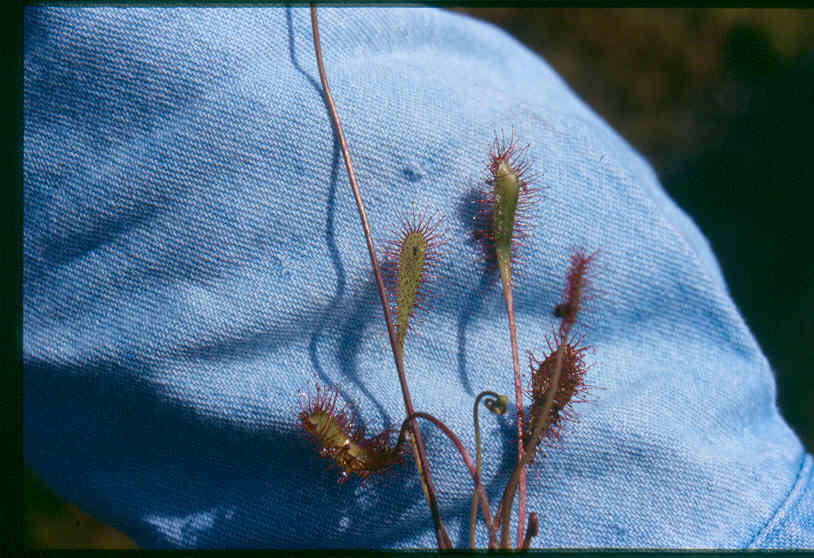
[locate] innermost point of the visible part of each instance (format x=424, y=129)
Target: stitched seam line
x=788, y=504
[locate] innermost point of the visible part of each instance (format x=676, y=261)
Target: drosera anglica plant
x=556, y=381
x=578, y=289
x=502, y=224
x=407, y=267
x=569, y=390
x=562, y=369
x=501, y=215
x=338, y=437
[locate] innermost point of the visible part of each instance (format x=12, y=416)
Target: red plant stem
x=487, y=516
x=418, y=444
x=506, y=278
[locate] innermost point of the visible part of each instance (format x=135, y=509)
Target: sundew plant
x=404, y=273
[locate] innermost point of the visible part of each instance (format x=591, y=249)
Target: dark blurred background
x=721, y=102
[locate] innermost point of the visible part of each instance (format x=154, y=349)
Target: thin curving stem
x=487, y=516
x=496, y=404
x=418, y=445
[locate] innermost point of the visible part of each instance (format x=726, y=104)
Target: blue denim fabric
x=193, y=260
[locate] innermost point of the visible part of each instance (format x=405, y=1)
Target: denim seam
x=800, y=484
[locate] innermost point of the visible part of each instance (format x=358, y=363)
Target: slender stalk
x=542, y=414
x=506, y=277
x=418, y=444
x=487, y=516
x=498, y=406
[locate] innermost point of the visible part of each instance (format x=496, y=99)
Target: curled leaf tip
x=497, y=405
